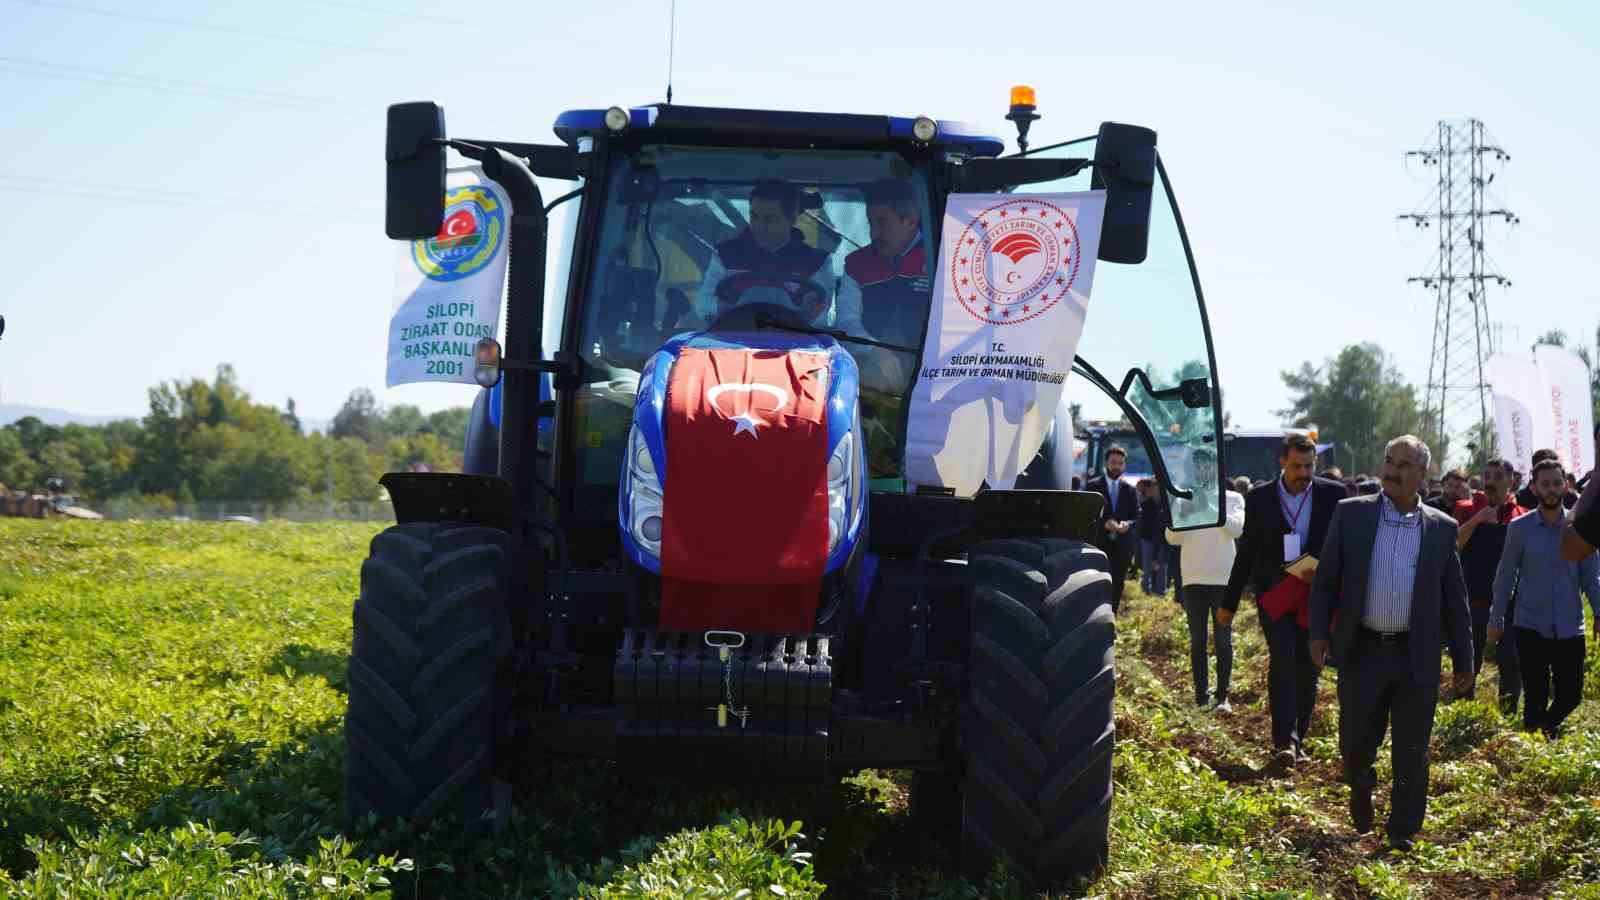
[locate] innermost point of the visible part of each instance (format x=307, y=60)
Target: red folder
x=1289, y=595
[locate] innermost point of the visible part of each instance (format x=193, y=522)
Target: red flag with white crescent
x=744, y=535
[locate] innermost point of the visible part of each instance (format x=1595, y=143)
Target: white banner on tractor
x=1542, y=404
x=1010, y=297
x=448, y=288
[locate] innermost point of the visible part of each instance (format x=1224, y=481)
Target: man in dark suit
x=1389, y=581
x=1283, y=519
x=1117, y=518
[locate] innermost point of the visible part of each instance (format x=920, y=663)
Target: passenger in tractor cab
x=768, y=262
x=885, y=290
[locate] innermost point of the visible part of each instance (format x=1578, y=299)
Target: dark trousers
x=1118, y=553
x=1175, y=568
x=1200, y=602
x=1377, y=684
x=1546, y=661
x=1505, y=656
x=1291, y=680
x=1153, y=560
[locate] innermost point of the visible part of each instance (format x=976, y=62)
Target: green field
x=171, y=701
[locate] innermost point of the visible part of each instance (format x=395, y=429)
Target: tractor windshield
x=688, y=233
x=1147, y=344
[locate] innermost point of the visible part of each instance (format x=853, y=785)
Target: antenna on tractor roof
x=672, y=35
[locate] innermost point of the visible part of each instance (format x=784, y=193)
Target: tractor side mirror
x=414, y=159
x=1125, y=165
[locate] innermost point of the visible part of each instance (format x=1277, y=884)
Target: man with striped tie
x=1389, y=581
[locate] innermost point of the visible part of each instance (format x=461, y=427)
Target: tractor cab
x=665, y=237
x=687, y=536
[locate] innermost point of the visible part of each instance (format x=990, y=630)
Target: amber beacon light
x=1022, y=113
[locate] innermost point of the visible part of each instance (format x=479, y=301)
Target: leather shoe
x=1402, y=842
x=1361, y=810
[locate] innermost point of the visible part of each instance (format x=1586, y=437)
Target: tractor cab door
x=1147, y=345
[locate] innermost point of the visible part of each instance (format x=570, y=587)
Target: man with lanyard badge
x=1284, y=519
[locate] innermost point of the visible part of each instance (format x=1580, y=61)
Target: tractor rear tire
x=1038, y=732
x=431, y=629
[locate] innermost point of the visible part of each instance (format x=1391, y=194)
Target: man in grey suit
x=1388, y=582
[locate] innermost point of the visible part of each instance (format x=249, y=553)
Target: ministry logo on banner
x=1011, y=294
x=448, y=287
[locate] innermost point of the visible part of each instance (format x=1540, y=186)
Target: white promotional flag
x=1010, y=296
x=1571, y=409
x=447, y=289
x=1521, y=415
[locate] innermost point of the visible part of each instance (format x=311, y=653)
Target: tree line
x=210, y=441
x=1359, y=400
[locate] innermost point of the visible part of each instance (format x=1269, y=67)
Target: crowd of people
x=1379, y=578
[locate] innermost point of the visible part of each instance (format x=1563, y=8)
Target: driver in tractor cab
x=885, y=290
x=768, y=262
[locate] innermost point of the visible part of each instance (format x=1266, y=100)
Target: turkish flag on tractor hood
x=744, y=536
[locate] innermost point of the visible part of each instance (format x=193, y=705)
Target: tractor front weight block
x=760, y=709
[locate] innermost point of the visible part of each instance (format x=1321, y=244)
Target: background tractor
x=575, y=593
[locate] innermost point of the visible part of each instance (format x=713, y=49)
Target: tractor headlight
x=839, y=484
x=616, y=119
x=924, y=129
x=644, y=495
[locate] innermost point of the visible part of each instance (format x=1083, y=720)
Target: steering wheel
x=805, y=294
x=750, y=316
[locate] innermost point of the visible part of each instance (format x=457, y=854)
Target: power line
x=395, y=14
x=100, y=190
x=271, y=95
x=181, y=87
x=206, y=26
x=250, y=32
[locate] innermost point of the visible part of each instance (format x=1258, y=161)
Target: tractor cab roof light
x=924, y=129
x=616, y=120
x=1022, y=113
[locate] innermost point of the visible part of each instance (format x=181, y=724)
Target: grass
x=171, y=700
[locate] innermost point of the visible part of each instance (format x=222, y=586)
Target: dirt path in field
x=1241, y=754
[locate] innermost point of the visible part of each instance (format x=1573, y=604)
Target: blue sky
x=234, y=214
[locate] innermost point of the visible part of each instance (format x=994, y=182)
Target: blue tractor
x=684, y=540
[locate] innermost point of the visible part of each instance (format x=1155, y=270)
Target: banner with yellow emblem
x=448, y=287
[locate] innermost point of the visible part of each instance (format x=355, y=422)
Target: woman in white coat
x=1206, y=562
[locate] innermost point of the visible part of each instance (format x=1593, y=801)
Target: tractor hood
x=745, y=482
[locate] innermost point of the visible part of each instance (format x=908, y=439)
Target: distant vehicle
x=66, y=506
x=248, y=520
x=1097, y=438
x=1252, y=453
x=31, y=505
